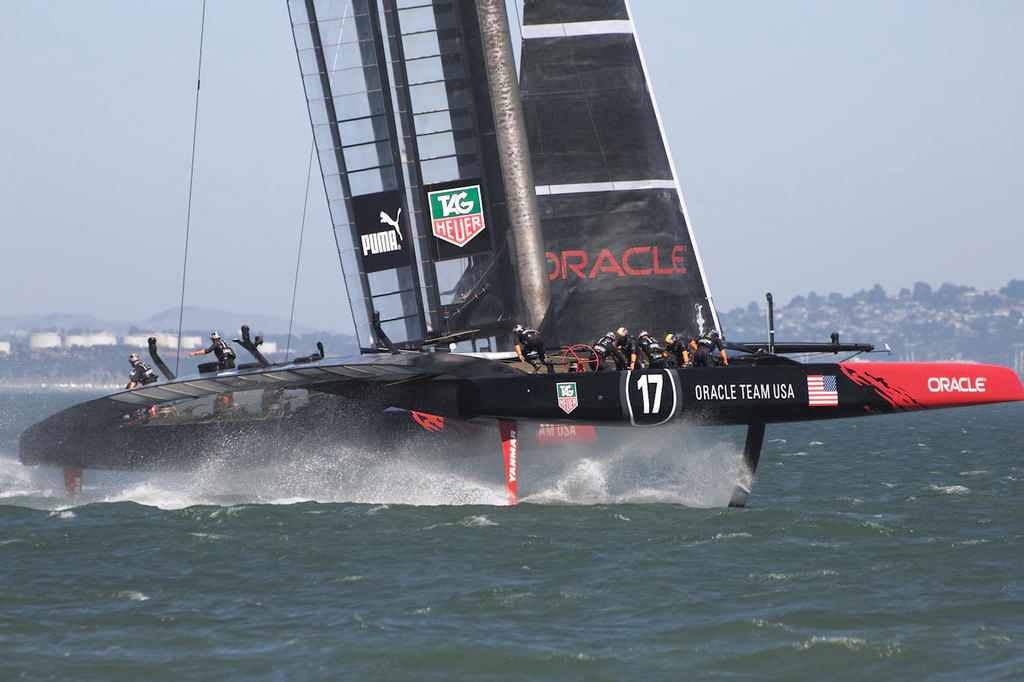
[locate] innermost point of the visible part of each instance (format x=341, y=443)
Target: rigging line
x=298, y=258
x=191, y=179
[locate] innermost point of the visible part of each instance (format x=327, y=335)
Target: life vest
x=223, y=350
x=650, y=347
x=148, y=375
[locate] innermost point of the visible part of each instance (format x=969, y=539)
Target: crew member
x=225, y=355
x=627, y=346
x=530, y=342
x=676, y=352
x=706, y=345
x=652, y=350
x=605, y=348
x=141, y=372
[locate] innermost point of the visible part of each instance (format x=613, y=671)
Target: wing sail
x=619, y=245
x=402, y=120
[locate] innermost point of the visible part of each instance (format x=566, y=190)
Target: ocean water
x=879, y=548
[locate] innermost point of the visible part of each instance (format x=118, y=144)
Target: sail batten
x=579, y=28
x=613, y=186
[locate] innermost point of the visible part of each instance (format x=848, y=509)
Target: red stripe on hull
x=928, y=385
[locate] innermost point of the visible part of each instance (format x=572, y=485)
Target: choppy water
x=884, y=548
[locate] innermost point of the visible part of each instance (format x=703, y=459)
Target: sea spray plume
x=695, y=467
x=328, y=474
x=691, y=467
x=37, y=488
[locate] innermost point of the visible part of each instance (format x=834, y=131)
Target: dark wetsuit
x=225, y=356
x=142, y=374
x=627, y=346
x=652, y=349
x=677, y=354
x=605, y=347
x=529, y=341
x=706, y=347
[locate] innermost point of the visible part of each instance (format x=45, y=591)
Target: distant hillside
x=195, y=320
x=923, y=324
x=108, y=365
x=951, y=323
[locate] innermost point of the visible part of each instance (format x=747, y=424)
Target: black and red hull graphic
x=745, y=394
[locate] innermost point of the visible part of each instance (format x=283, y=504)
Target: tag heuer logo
x=456, y=215
x=567, y=396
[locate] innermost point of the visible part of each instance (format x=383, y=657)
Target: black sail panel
x=619, y=246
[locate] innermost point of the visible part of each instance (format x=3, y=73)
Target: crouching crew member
x=652, y=350
x=141, y=372
x=706, y=345
x=627, y=347
x=605, y=348
x=677, y=353
x=530, y=342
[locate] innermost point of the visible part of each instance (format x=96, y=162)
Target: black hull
x=746, y=394
x=255, y=416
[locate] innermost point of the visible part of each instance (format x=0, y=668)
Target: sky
x=820, y=146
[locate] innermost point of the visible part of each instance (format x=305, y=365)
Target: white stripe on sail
x=615, y=186
x=579, y=28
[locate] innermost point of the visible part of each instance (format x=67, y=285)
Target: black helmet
x=133, y=358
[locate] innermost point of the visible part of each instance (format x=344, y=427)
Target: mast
x=514, y=153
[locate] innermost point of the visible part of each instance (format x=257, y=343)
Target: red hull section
x=922, y=386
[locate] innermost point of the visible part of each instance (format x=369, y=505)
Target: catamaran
x=467, y=197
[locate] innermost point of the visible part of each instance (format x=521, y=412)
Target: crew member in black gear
x=706, y=345
x=605, y=348
x=225, y=355
x=652, y=350
x=528, y=342
x=627, y=346
x=141, y=372
x=677, y=353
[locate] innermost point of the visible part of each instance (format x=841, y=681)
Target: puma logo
x=386, y=241
x=386, y=220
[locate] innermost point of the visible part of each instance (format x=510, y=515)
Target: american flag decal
x=821, y=390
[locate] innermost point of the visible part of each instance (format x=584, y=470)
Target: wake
x=692, y=467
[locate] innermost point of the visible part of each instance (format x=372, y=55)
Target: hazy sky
x=821, y=146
